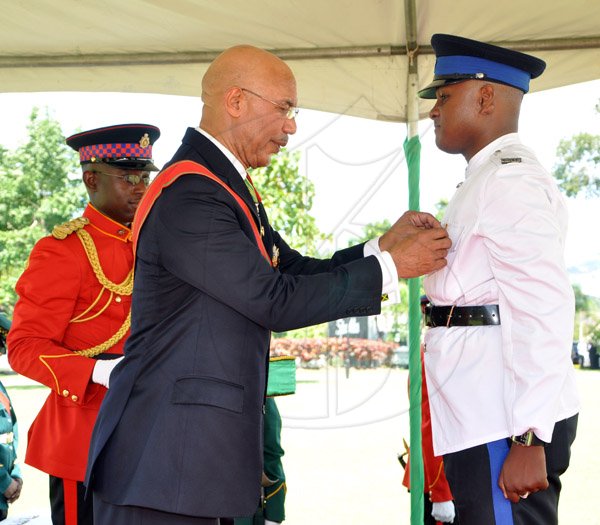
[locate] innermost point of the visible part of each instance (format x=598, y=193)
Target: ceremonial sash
x=167, y=177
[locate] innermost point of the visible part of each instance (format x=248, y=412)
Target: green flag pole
x=412, y=151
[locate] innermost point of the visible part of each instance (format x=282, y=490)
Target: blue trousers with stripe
x=473, y=477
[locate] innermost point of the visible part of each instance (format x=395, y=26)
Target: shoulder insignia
x=510, y=160
x=62, y=231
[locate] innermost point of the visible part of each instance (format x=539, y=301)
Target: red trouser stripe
x=70, y=497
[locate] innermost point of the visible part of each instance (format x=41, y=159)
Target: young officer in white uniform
x=502, y=389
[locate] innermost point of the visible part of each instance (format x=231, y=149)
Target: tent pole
x=412, y=148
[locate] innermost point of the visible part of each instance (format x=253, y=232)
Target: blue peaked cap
x=459, y=59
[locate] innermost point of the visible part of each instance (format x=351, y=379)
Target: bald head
x=246, y=93
x=241, y=66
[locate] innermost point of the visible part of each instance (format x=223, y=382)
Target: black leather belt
x=448, y=316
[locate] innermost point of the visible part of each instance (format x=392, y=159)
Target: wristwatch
x=528, y=439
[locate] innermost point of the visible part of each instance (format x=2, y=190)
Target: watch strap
x=528, y=439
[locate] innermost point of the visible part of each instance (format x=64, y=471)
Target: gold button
x=65, y=393
x=74, y=398
x=118, y=299
x=121, y=232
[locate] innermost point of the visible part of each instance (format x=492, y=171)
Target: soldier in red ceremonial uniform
x=438, y=504
x=73, y=314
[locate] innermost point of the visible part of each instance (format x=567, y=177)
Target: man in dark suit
x=179, y=436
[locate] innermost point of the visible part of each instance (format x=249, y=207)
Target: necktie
x=256, y=198
x=253, y=193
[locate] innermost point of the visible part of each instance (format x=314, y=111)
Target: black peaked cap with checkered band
x=126, y=146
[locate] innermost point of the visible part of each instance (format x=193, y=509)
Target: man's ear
x=486, y=99
x=234, y=101
x=90, y=179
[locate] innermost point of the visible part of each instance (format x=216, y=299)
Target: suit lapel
x=212, y=157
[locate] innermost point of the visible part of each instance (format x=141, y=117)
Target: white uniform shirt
x=507, y=223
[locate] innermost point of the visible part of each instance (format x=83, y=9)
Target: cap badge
x=145, y=141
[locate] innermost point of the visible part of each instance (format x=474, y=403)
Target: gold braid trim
x=103, y=347
x=81, y=319
x=124, y=288
x=62, y=231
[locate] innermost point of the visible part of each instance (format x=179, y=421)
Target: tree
x=578, y=167
x=587, y=316
x=38, y=192
x=440, y=207
x=289, y=198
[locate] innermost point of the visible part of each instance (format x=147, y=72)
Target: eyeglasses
x=290, y=111
x=131, y=178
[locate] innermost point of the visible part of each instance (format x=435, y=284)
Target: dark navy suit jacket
x=180, y=429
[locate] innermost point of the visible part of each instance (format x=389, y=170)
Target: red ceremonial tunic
x=435, y=482
x=63, y=308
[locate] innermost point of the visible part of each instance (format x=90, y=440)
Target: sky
x=357, y=165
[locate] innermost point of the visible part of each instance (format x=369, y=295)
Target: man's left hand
x=13, y=491
x=523, y=472
x=406, y=225
x=443, y=511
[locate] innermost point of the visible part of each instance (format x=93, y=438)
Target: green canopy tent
x=366, y=58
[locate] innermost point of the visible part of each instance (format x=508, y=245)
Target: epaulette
x=62, y=231
x=512, y=154
x=510, y=160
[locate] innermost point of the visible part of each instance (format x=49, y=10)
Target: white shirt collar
x=230, y=156
x=484, y=153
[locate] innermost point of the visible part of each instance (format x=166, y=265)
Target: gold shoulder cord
x=124, y=288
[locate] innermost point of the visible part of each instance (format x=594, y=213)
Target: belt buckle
x=429, y=321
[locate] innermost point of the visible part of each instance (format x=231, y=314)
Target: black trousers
x=473, y=477
x=68, y=503
x=108, y=514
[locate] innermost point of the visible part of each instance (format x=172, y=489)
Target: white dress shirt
x=507, y=223
x=388, y=268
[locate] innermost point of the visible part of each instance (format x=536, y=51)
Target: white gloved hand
x=443, y=511
x=103, y=369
